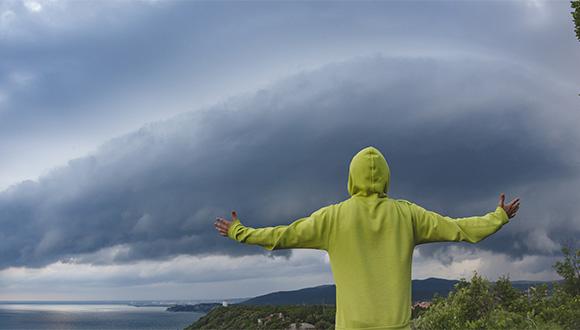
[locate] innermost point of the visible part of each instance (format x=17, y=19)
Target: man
x=370, y=240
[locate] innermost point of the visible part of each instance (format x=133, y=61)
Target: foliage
x=417, y=311
x=480, y=304
x=569, y=269
x=246, y=317
x=575, y=4
x=474, y=304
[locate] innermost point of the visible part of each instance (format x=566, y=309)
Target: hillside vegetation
x=247, y=316
x=474, y=304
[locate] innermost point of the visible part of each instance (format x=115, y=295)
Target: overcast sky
x=126, y=127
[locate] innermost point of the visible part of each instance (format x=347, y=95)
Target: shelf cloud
x=452, y=140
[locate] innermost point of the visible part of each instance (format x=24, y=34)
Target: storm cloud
x=455, y=134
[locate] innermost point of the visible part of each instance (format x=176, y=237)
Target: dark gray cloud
x=74, y=74
x=455, y=134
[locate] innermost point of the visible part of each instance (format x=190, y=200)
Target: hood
x=369, y=173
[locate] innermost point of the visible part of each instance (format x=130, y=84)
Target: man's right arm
x=429, y=226
x=311, y=232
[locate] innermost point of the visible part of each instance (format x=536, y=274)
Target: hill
x=266, y=317
x=326, y=294
x=281, y=309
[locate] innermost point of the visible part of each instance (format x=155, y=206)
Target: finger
x=501, y=199
x=234, y=215
x=220, y=223
x=222, y=226
x=514, y=209
x=221, y=220
x=515, y=201
x=222, y=230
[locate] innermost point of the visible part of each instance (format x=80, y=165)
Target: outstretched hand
x=512, y=208
x=222, y=225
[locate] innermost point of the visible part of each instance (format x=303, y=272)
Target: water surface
x=91, y=316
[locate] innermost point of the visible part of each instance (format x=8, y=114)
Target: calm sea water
x=91, y=316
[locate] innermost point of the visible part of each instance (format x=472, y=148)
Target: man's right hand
x=222, y=225
x=512, y=208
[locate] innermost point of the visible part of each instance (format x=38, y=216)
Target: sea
x=92, y=315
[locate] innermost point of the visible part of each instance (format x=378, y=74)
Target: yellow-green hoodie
x=370, y=239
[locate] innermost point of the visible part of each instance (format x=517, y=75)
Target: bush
x=479, y=304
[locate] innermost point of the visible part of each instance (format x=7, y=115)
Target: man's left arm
x=310, y=232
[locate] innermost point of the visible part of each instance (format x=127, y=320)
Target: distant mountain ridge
x=326, y=294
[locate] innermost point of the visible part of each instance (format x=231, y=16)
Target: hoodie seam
x=330, y=217
x=372, y=173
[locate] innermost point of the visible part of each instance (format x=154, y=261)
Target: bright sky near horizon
x=126, y=127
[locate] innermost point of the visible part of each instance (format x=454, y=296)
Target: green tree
x=569, y=269
x=575, y=4
x=478, y=304
x=506, y=296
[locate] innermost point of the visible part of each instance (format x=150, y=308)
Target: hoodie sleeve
x=429, y=226
x=310, y=232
